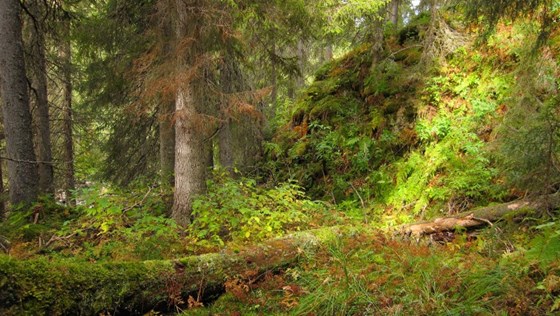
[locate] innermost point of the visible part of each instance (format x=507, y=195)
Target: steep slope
x=406, y=135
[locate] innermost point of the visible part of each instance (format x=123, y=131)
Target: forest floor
x=354, y=268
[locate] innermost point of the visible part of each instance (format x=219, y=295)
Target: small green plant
x=238, y=209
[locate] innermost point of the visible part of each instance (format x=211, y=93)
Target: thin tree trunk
x=166, y=128
x=395, y=13
x=328, y=52
x=378, y=37
x=225, y=138
x=69, y=184
x=39, y=99
x=22, y=169
x=300, y=81
x=167, y=141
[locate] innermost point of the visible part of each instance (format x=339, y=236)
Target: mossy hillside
x=399, y=134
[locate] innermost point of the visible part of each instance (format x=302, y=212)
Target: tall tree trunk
x=300, y=81
x=2, y=190
x=2, y=204
x=378, y=36
x=65, y=54
x=395, y=13
x=22, y=169
x=193, y=150
x=39, y=98
x=166, y=110
x=225, y=138
x=240, y=136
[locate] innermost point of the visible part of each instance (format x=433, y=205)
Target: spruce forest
x=280, y=157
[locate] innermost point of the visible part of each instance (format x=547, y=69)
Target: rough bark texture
x=37, y=69
x=2, y=204
x=39, y=287
x=22, y=169
x=69, y=182
x=193, y=147
x=192, y=151
x=482, y=216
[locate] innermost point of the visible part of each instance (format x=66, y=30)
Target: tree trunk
x=65, y=53
x=328, y=52
x=395, y=13
x=22, y=168
x=378, y=37
x=300, y=81
x=225, y=138
x=482, y=216
x=193, y=147
x=166, y=128
x=136, y=288
x=240, y=136
x=2, y=204
x=167, y=141
x=39, y=98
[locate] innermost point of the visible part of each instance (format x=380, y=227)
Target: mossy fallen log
x=69, y=287
x=482, y=216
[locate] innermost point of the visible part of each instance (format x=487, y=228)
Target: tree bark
x=225, y=138
x=2, y=203
x=395, y=13
x=378, y=36
x=328, y=52
x=193, y=147
x=166, y=128
x=65, y=53
x=167, y=141
x=22, y=168
x=39, y=97
x=482, y=216
x=300, y=81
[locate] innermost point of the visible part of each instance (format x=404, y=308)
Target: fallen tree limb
x=71, y=287
x=482, y=216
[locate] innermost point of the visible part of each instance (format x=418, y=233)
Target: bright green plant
x=238, y=209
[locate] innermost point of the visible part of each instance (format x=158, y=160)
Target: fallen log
x=70, y=287
x=482, y=216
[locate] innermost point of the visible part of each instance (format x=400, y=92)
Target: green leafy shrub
x=238, y=209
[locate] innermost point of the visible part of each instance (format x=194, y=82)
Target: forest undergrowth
x=364, y=148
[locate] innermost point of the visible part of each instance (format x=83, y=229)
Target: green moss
x=43, y=287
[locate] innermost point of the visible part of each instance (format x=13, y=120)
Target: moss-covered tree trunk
x=67, y=287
